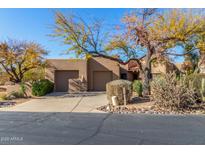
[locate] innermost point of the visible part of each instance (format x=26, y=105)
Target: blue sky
x=35, y=25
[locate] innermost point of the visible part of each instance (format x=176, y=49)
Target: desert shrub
x=196, y=80
x=170, y=93
x=115, y=88
x=3, y=96
x=137, y=87
x=15, y=94
x=20, y=93
x=42, y=87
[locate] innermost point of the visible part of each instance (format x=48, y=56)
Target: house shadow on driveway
x=68, y=128
x=69, y=95
x=79, y=94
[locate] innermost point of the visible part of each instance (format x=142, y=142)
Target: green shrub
x=42, y=87
x=115, y=88
x=137, y=87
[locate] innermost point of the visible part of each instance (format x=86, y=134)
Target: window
x=123, y=76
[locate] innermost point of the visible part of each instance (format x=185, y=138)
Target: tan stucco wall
x=102, y=64
x=66, y=64
x=158, y=68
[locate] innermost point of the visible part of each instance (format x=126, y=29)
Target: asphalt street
x=99, y=128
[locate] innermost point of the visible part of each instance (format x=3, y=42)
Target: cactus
x=203, y=89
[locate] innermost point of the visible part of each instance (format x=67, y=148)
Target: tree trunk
x=15, y=80
x=146, y=83
x=147, y=75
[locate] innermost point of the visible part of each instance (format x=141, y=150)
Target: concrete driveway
x=63, y=102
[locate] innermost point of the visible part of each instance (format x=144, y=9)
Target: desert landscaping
x=102, y=76
x=138, y=74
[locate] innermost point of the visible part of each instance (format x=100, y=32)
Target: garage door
x=61, y=79
x=100, y=78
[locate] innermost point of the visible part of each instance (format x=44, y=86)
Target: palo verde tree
x=147, y=34
x=82, y=38
x=17, y=58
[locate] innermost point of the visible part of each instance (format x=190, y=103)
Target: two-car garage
x=100, y=78
x=87, y=75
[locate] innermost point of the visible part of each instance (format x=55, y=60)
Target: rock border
x=148, y=110
x=7, y=104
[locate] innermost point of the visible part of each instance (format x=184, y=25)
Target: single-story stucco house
x=74, y=75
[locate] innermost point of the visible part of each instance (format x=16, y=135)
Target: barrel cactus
x=115, y=88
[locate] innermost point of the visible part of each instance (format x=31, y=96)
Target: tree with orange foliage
x=17, y=58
